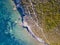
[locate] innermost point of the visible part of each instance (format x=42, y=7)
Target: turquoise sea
x=12, y=33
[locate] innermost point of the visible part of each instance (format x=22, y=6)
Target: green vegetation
x=50, y=13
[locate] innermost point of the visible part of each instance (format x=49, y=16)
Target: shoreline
x=30, y=31
x=24, y=23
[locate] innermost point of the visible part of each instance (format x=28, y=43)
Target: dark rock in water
x=19, y=8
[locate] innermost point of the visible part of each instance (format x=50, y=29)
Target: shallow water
x=12, y=33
